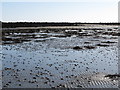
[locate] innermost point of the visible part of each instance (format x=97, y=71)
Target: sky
x=52, y=11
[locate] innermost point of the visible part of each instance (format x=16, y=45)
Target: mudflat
x=60, y=57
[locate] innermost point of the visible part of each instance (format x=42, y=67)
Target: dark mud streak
x=113, y=77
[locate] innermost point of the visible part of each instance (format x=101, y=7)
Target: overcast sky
x=69, y=11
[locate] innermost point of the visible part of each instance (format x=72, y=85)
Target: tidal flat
x=60, y=57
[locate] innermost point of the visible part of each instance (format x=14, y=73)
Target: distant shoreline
x=48, y=24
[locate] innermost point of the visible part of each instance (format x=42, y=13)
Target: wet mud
x=85, y=57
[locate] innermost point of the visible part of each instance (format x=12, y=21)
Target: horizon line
x=52, y=22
